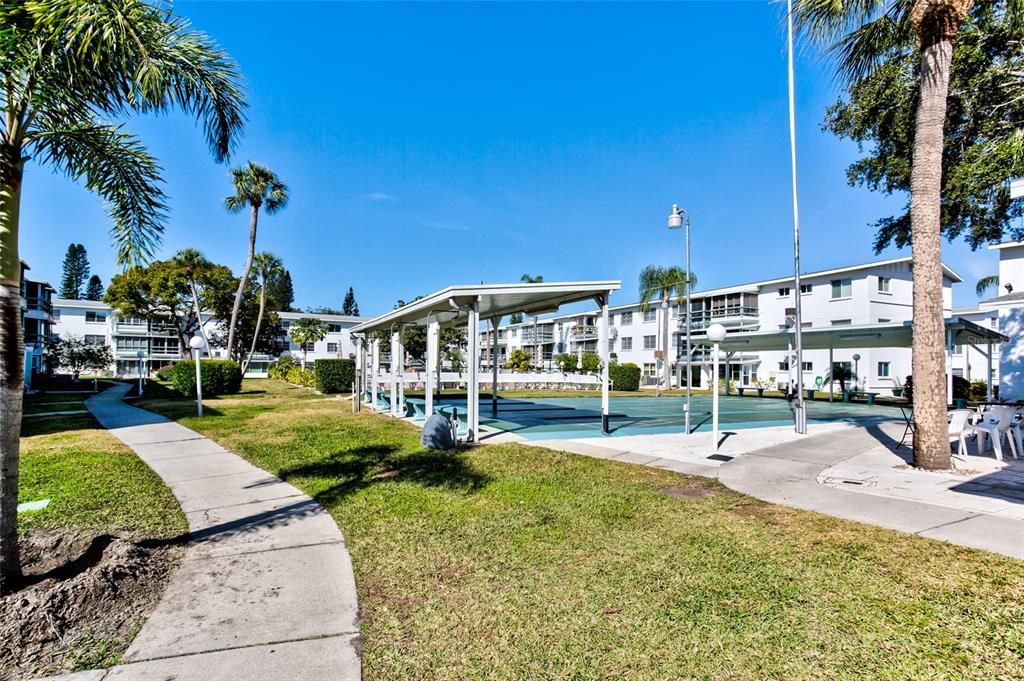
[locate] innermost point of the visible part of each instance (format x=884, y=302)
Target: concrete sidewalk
x=265, y=589
x=788, y=474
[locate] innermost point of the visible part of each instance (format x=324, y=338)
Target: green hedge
x=334, y=375
x=220, y=377
x=624, y=376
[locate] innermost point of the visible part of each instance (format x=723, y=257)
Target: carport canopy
x=959, y=331
x=468, y=305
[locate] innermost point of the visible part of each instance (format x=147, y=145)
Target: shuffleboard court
x=572, y=417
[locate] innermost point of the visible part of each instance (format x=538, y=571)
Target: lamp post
x=140, y=354
x=676, y=219
x=196, y=343
x=856, y=370
x=716, y=334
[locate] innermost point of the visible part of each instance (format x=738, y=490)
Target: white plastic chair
x=958, y=429
x=997, y=424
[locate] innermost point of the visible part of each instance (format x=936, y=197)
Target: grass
x=513, y=562
x=93, y=481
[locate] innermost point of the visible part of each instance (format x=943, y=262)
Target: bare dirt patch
x=82, y=600
x=678, y=492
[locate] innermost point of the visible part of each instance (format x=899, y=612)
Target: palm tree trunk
x=12, y=364
x=931, y=446
x=256, y=334
x=253, y=218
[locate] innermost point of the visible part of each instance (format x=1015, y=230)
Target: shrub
x=978, y=391
x=566, y=363
x=519, y=360
x=281, y=367
x=220, y=377
x=624, y=376
x=300, y=376
x=334, y=375
x=591, y=362
x=165, y=373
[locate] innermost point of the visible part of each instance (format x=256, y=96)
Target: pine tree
x=350, y=306
x=94, y=289
x=76, y=271
x=281, y=294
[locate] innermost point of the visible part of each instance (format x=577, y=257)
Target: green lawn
x=513, y=562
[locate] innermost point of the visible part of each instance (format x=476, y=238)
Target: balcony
x=583, y=332
x=531, y=338
x=39, y=304
x=729, y=316
x=136, y=329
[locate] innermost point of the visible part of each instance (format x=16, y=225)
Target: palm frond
x=986, y=283
x=113, y=164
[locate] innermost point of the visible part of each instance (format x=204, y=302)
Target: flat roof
x=890, y=335
x=322, y=316
x=494, y=300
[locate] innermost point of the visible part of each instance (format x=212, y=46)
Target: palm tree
x=307, y=330
x=268, y=268
x=986, y=283
x=68, y=68
x=862, y=35
x=661, y=283
x=193, y=262
x=255, y=186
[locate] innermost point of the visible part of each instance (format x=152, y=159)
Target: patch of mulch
x=81, y=602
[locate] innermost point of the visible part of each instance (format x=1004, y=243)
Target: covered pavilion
x=467, y=306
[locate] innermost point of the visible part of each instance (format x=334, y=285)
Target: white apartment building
x=870, y=293
x=37, y=318
x=1005, y=311
x=99, y=324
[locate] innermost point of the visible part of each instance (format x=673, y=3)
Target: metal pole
x=689, y=350
x=714, y=399
x=830, y=382
x=394, y=372
x=473, y=392
x=199, y=384
x=801, y=417
x=494, y=365
x=432, y=362
x=602, y=339
x=140, y=378
x=988, y=380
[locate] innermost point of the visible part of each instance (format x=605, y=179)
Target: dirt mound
x=81, y=602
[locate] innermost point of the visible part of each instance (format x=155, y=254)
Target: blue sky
x=432, y=144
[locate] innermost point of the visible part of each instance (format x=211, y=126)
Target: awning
x=494, y=300
x=888, y=335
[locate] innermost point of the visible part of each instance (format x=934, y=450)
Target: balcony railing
x=40, y=304
x=540, y=337
x=730, y=315
x=583, y=332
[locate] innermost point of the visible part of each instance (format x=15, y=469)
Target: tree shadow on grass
x=354, y=470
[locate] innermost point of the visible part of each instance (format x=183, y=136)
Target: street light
x=677, y=219
x=716, y=334
x=856, y=370
x=196, y=343
x=140, y=354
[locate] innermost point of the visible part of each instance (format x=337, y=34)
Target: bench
x=870, y=397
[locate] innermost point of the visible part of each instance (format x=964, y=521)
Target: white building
x=37, y=317
x=1006, y=311
x=99, y=324
x=869, y=293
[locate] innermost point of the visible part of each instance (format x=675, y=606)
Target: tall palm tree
x=538, y=351
x=986, y=283
x=268, y=269
x=256, y=186
x=862, y=35
x=67, y=69
x=660, y=283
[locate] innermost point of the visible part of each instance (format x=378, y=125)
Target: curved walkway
x=265, y=589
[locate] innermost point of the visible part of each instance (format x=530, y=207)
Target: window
x=842, y=288
x=627, y=343
x=784, y=365
x=129, y=343
x=884, y=320
x=784, y=291
x=95, y=317
x=95, y=340
x=627, y=318
x=805, y=288
x=285, y=325
x=165, y=346
x=958, y=349
x=56, y=315
x=650, y=342
x=334, y=328
x=841, y=322
x=332, y=347
x=808, y=366
x=884, y=284
x=651, y=315
x=309, y=347
x=883, y=369
x=649, y=369
x=611, y=345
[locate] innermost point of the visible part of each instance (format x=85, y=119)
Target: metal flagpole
x=801, y=413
